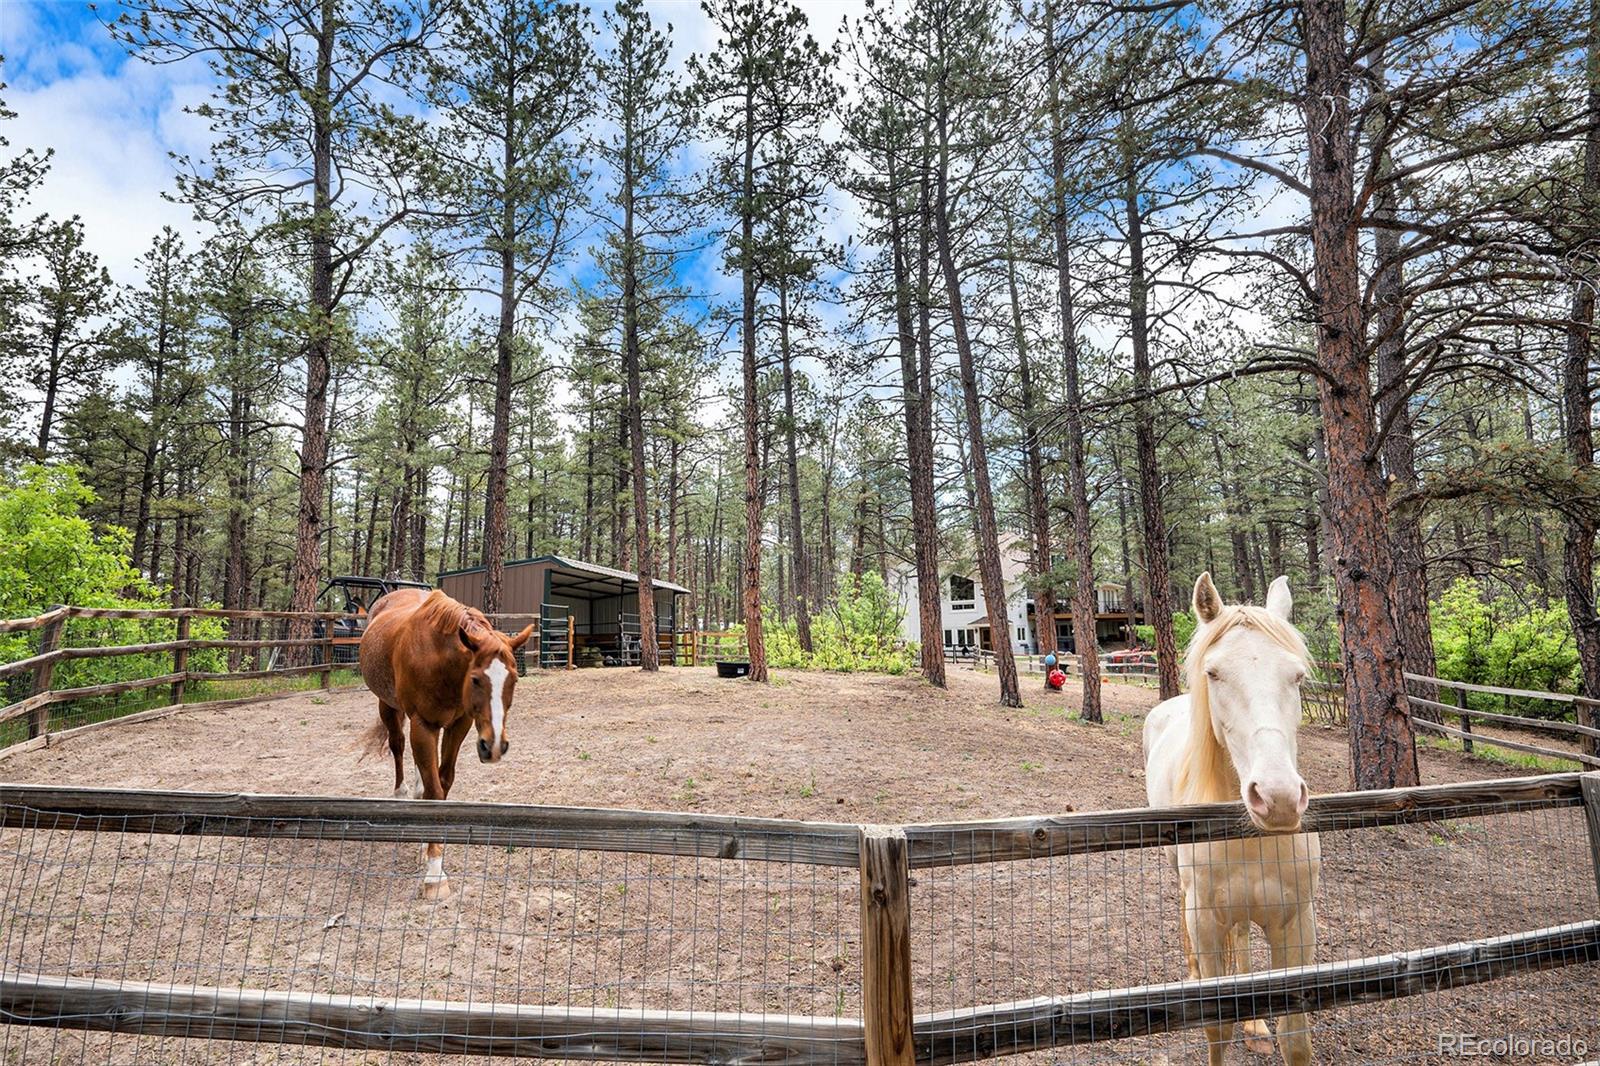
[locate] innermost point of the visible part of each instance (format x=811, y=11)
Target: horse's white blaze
x=497, y=697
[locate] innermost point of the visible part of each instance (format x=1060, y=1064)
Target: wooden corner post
x=886, y=947
x=49, y=642
x=1591, y=812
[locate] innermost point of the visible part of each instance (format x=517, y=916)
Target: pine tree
x=59, y=339
x=320, y=76
x=765, y=65
x=512, y=86
x=648, y=111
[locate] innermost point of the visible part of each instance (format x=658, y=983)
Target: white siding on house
x=956, y=619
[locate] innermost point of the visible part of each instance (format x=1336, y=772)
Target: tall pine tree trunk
x=1152, y=513
x=305, y=579
x=1411, y=611
x=649, y=643
x=989, y=568
x=1382, y=745
x=1044, y=593
x=1578, y=542
x=52, y=387
x=1084, y=635
x=495, y=519
x=801, y=573
x=754, y=493
x=919, y=448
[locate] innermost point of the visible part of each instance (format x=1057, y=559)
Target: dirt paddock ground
x=549, y=926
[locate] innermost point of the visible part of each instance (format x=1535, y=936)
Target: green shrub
x=1183, y=627
x=1505, y=643
x=858, y=631
x=50, y=554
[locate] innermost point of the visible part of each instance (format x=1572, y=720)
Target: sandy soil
x=837, y=747
x=543, y=926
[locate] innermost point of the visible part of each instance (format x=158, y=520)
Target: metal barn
x=588, y=613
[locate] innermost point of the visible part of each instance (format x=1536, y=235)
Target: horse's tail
x=375, y=741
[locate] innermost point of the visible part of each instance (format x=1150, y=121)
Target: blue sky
x=111, y=120
x=114, y=121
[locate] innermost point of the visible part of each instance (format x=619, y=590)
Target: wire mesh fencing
x=1403, y=926
x=299, y=924
x=1072, y=923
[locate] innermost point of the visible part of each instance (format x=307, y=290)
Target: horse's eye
x=1213, y=675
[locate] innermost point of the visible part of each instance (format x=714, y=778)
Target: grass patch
x=1488, y=752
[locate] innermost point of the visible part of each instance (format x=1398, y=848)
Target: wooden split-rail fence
x=316, y=655
x=887, y=1032
x=275, y=645
x=278, y=646
x=1323, y=699
x=275, y=652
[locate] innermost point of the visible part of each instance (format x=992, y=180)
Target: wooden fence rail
x=687, y=647
x=43, y=692
x=887, y=1034
x=1323, y=698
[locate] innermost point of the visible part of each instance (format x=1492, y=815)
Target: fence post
x=572, y=636
x=327, y=653
x=886, y=947
x=180, y=659
x=1466, y=720
x=1591, y=811
x=49, y=641
x=1583, y=710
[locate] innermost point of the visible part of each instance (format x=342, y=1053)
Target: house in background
x=964, y=617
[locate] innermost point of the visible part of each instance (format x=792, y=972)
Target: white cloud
x=111, y=135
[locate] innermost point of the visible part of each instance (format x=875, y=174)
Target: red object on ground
x=1055, y=679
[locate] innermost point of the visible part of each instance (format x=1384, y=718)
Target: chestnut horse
x=440, y=666
x=1232, y=737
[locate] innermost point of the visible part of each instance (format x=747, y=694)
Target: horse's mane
x=447, y=615
x=1207, y=775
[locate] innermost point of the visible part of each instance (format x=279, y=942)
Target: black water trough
x=728, y=668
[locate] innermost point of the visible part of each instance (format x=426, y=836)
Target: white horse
x=1232, y=736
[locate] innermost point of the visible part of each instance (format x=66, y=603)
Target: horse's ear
x=1279, y=600
x=1207, y=601
x=521, y=638
x=471, y=638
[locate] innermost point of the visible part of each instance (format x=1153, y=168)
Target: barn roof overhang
x=584, y=579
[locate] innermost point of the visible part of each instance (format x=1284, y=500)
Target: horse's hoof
x=1258, y=1038
x=437, y=891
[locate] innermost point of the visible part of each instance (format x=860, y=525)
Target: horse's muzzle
x=486, y=750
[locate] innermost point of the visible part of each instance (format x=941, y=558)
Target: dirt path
x=602, y=930
x=836, y=747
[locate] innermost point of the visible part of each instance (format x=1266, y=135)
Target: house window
x=1022, y=634
x=948, y=638
x=963, y=594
